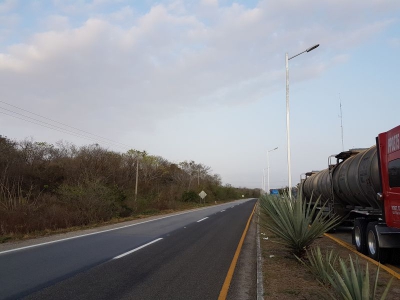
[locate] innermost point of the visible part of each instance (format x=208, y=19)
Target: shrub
x=190, y=196
x=296, y=222
x=92, y=201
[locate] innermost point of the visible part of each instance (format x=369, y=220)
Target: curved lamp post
x=287, y=115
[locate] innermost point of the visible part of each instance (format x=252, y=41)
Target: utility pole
x=341, y=121
x=137, y=177
x=268, y=191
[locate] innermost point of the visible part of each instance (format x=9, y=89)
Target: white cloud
x=175, y=58
x=10, y=20
x=238, y=44
x=7, y=6
x=177, y=7
x=56, y=23
x=341, y=58
x=394, y=42
x=209, y=2
x=124, y=14
x=8, y=23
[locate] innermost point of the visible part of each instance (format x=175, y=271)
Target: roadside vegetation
x=296, y=222
x=348, y=278
x=45, y=187
x=316, y=268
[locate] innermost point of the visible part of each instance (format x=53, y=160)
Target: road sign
x=202, y=194
x=274, y=192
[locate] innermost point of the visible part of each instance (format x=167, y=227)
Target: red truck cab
x=389, y=158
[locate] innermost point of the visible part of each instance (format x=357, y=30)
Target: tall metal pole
x=268, y=191
x=287, y=115
x=341, y=121
x=288, y=128
x=262, y=185
x=263, y=180
x=198, y=177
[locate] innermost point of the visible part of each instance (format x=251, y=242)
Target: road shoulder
x=244, y=281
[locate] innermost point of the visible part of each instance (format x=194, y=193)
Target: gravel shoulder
x=244, y=281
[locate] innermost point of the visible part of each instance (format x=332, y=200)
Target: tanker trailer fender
x=381, y=239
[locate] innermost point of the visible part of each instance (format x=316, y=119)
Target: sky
x=203, y=80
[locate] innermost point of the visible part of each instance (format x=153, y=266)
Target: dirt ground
x=286, y=278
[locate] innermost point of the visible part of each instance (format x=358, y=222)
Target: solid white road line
x=98, y=232
x=136, y=249
x=202, y=219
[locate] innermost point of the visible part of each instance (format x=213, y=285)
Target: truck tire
x=374, y=251
x=360, y=235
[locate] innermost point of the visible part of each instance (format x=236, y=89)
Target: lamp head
x=312, y=48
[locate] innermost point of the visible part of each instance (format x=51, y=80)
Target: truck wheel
x=374, y=251
x=359, y=235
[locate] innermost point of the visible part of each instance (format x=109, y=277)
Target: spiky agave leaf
x=386, y=291
x=320, y=264
x=352, y=283
x=292, y=220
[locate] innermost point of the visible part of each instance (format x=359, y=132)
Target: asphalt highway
x=184, y=256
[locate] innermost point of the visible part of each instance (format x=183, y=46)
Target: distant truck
x=363, y=186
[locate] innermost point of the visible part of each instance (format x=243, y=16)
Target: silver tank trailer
x=355, y=181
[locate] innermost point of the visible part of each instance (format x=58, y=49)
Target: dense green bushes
x=44, y=186
x=190, y=196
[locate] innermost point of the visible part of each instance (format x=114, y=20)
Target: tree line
x=50, y=187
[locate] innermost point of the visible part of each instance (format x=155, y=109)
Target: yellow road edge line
x=225, y=287
x=348, y=246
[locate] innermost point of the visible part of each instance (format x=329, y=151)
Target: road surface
x=184, y=256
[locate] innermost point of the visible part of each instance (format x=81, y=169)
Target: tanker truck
x=362, y=186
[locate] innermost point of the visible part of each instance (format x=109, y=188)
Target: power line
x=59, y=130
x=98, y=136
x=53, y=127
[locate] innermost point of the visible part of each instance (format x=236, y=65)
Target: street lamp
x=268, y=166
x=287, y=115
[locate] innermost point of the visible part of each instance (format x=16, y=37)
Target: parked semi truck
x=363, y=187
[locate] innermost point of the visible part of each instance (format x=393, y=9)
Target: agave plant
x=352, y=283
x=297, y=222
x=320, y=265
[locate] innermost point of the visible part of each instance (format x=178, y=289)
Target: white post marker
x=202, y=195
